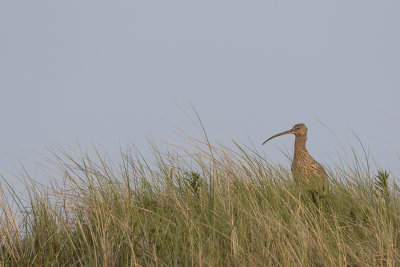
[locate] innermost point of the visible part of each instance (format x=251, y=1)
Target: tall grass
x=211, y=206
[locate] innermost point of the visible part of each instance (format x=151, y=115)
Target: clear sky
x=111, y=73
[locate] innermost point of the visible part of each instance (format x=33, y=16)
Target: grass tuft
x=213, y=206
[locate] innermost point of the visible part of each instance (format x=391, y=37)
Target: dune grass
x=211, y=206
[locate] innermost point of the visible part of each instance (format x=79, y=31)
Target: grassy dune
x=209, y=206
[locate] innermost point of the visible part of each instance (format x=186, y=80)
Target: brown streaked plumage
x=304, y=167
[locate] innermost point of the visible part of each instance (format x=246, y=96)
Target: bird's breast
x=306, y=167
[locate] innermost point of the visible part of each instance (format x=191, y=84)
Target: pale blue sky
x=110, y=73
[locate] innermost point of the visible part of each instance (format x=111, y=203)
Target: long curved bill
x=279, y=134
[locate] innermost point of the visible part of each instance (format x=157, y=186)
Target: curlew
x=305, y=169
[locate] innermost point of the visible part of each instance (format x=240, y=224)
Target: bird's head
x=298, y=130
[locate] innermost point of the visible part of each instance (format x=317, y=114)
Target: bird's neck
x=300, y=145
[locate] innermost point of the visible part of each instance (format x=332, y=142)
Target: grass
x=212, y=206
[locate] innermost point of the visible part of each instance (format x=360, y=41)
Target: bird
x=305, y=169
